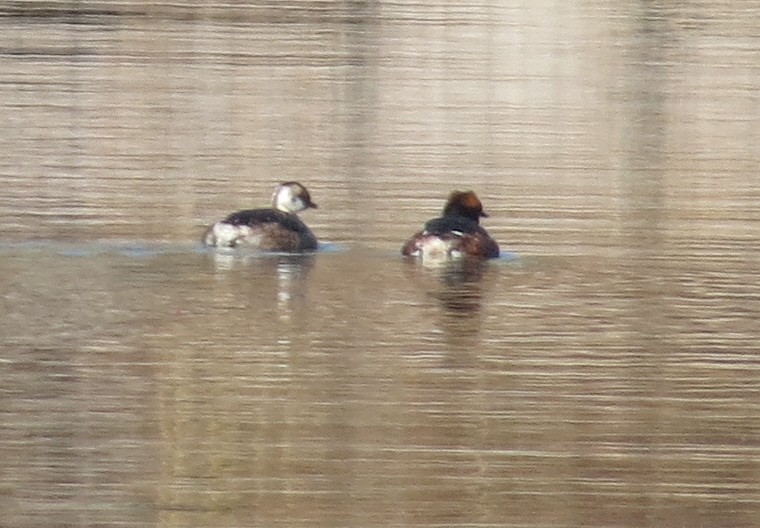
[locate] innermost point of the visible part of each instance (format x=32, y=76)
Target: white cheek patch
x=287, y=202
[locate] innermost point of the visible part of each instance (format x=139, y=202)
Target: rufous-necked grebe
x=456, y=234
x=274, y=229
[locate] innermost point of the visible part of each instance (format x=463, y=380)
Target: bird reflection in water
x=268, y=279
x=456, y=284
x=291, y=271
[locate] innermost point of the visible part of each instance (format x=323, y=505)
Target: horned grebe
x=456, y=234
x=274, y=229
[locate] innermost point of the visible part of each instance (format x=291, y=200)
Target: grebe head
x=464, y=203
x=291, y=197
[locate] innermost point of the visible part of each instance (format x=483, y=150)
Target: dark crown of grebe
x=464, y=203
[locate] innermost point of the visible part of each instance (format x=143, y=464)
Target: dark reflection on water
x=456, y=285
x=605, y=377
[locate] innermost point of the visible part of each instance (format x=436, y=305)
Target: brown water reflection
x=603, y=374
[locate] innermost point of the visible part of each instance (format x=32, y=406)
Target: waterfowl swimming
x=455, y=234
x=277, y=228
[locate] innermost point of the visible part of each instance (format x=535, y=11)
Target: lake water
x=604, y=373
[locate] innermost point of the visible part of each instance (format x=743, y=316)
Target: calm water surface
x=603, y=373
